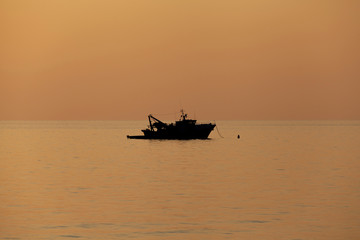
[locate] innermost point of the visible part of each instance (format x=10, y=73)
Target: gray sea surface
x=86, y=180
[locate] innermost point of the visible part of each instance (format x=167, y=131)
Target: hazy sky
x=123, y=59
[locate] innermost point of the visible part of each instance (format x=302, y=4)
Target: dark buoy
x=238, y=136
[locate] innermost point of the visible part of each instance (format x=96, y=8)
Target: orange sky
x=114, y=60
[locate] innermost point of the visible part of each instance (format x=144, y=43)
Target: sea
x=292, y=180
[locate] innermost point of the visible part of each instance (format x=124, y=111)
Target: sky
x=223, y=60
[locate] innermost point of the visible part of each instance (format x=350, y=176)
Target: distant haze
x=120, y=60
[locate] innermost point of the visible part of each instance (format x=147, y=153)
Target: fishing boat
x=183, y=129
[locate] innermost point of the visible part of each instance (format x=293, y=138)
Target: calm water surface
x=85, y=180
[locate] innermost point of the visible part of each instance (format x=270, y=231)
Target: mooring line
x=217, y=129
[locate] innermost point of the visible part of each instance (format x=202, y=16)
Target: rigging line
x=164, y=114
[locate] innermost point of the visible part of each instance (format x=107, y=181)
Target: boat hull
x=199, y=131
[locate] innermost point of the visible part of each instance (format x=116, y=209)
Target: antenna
x=180, y=103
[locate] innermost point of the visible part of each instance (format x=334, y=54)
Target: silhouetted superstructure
x=182, y=129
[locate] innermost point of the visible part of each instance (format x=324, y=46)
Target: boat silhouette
x=183, y=129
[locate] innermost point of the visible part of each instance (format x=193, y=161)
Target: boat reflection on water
x=183, y=129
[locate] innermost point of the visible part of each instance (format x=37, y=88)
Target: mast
x=183, y=115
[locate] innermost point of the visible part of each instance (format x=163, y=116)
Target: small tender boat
x=182, y=129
